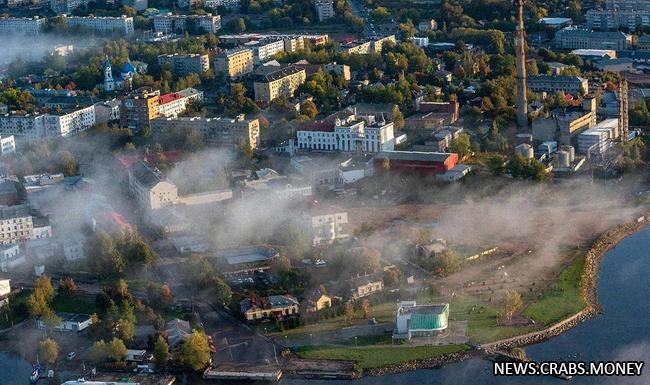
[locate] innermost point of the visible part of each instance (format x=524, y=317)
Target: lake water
x=622, y=333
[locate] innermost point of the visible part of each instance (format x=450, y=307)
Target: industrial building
x=423, y=163
x=598, y=139
x=573, y=38
x=553, y=84
x=415, y=320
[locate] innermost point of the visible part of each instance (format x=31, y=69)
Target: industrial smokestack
x=522, y=100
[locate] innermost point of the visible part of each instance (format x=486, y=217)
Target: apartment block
x=21, y=25
x=138, y=108
x=65, y=7
x=572, y=38
x=281, y=82
x=173, y=23
x=175, y=103
x=231, y=5
x=218, y=131
x=183, y=65
x=235, y=62
x=51, y=125
x=123, y=24
x=324, y=9
x=265, y=49
x=616, y=19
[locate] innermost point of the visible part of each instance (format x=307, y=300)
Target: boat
x=36, y=374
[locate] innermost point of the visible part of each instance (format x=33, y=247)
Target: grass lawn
x=378, y=356
x=75, y=304
x=562, y=298
x=6, y=316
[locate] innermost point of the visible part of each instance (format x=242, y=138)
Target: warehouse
x=423, y=163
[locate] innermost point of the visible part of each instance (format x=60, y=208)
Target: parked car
x=71, y=356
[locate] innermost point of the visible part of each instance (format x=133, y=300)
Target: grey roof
x=146, y=176
x=591, y=34
x=8, y=187
x=280, y=73
x=14, y=212
x=549, y=78
x=414, y=155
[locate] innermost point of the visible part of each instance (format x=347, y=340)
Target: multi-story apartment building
x=231, y=5
x=545, y=83
x=282, y=82
x=175, y=103
x=292, y=42
x=65, y=7
x=572, y=38
x=219, y=131
x=173, y=23
x=21, y=25
x=50, y=125
x=148, y=187
x=184, y=65
x=378, y=45
x=234, y=62
x=342, y=70
x=265, y=49
x=123, y=24
x=138, y=108
x=324, y=9
x=347, y=133
x=16, y=224
x=328, y=227
x=362, y=48
x=616, y=19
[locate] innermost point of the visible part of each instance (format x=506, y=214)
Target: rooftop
x=415, y=156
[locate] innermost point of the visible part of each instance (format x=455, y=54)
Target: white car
x=71, y=356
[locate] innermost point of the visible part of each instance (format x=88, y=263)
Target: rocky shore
x=419, y=364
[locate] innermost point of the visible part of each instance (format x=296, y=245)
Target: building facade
x=183, y=65
x=350, y=134
x=553, y=84
x=329, y=227
x=324, y=9
x=274, y=306
x=176, y=23
x=423, y=163
x=234, y=63
x=607, y=20
x=148, y=187
x=219, y=131
x=415, y=320
x=283, y=82
x=265, y=49
x=123, y=24
x=572, y=38
x=138, y=108
x=21, y=25
x=176, y=103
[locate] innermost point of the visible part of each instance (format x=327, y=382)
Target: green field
x=9, y=315
x=75, y=304
x=379, y=356
x=562, y=298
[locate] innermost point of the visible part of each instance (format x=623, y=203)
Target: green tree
x=98, y=352
x=48, y=350
x=161, y=352
x=195, y=352
x=461, y=145
x=116, y=350
x=309, y=109
x=445, y=264
x=67, y=287
x=510, y=304
x=397, y=117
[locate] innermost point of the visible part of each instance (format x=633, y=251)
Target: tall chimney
x=520, y=51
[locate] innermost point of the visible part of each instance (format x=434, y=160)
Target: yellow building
x=282, y=82
x=234, y=63
x=317, y=301
x=139, y=108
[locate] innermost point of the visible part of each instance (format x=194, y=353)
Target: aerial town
x=315, y=192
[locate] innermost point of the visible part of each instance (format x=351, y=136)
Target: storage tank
x=571, y=150
x=525, y=150
x=562, y=159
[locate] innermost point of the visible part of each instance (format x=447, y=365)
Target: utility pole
x=520, y=52
x=623, y=110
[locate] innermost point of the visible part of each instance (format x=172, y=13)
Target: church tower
x=109, y=83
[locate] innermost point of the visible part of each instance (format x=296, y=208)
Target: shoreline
x=589, y=290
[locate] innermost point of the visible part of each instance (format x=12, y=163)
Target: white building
x=7, y=145
x=108, y=111
x=68, y=124
x=21, y=25
x=598, y=138
x=70, y=322
x=5, y=290
x=65, y=7
x=122, y=24
x=421, y=42
x=329, y=227
x=174, y=104
x=348, y=134
x=73, y=248
x=265, y=49
x=10, y=257
x=147, y=186
x=231, y=5
x=172, y=23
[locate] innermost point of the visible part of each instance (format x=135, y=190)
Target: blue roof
x=128, y=67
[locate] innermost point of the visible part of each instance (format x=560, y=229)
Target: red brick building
x=423, y=163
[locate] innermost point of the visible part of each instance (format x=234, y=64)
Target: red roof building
x=423, y=163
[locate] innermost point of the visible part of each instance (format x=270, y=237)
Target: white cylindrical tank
x=572, y=152
x=525, y=150
x=562, y=159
